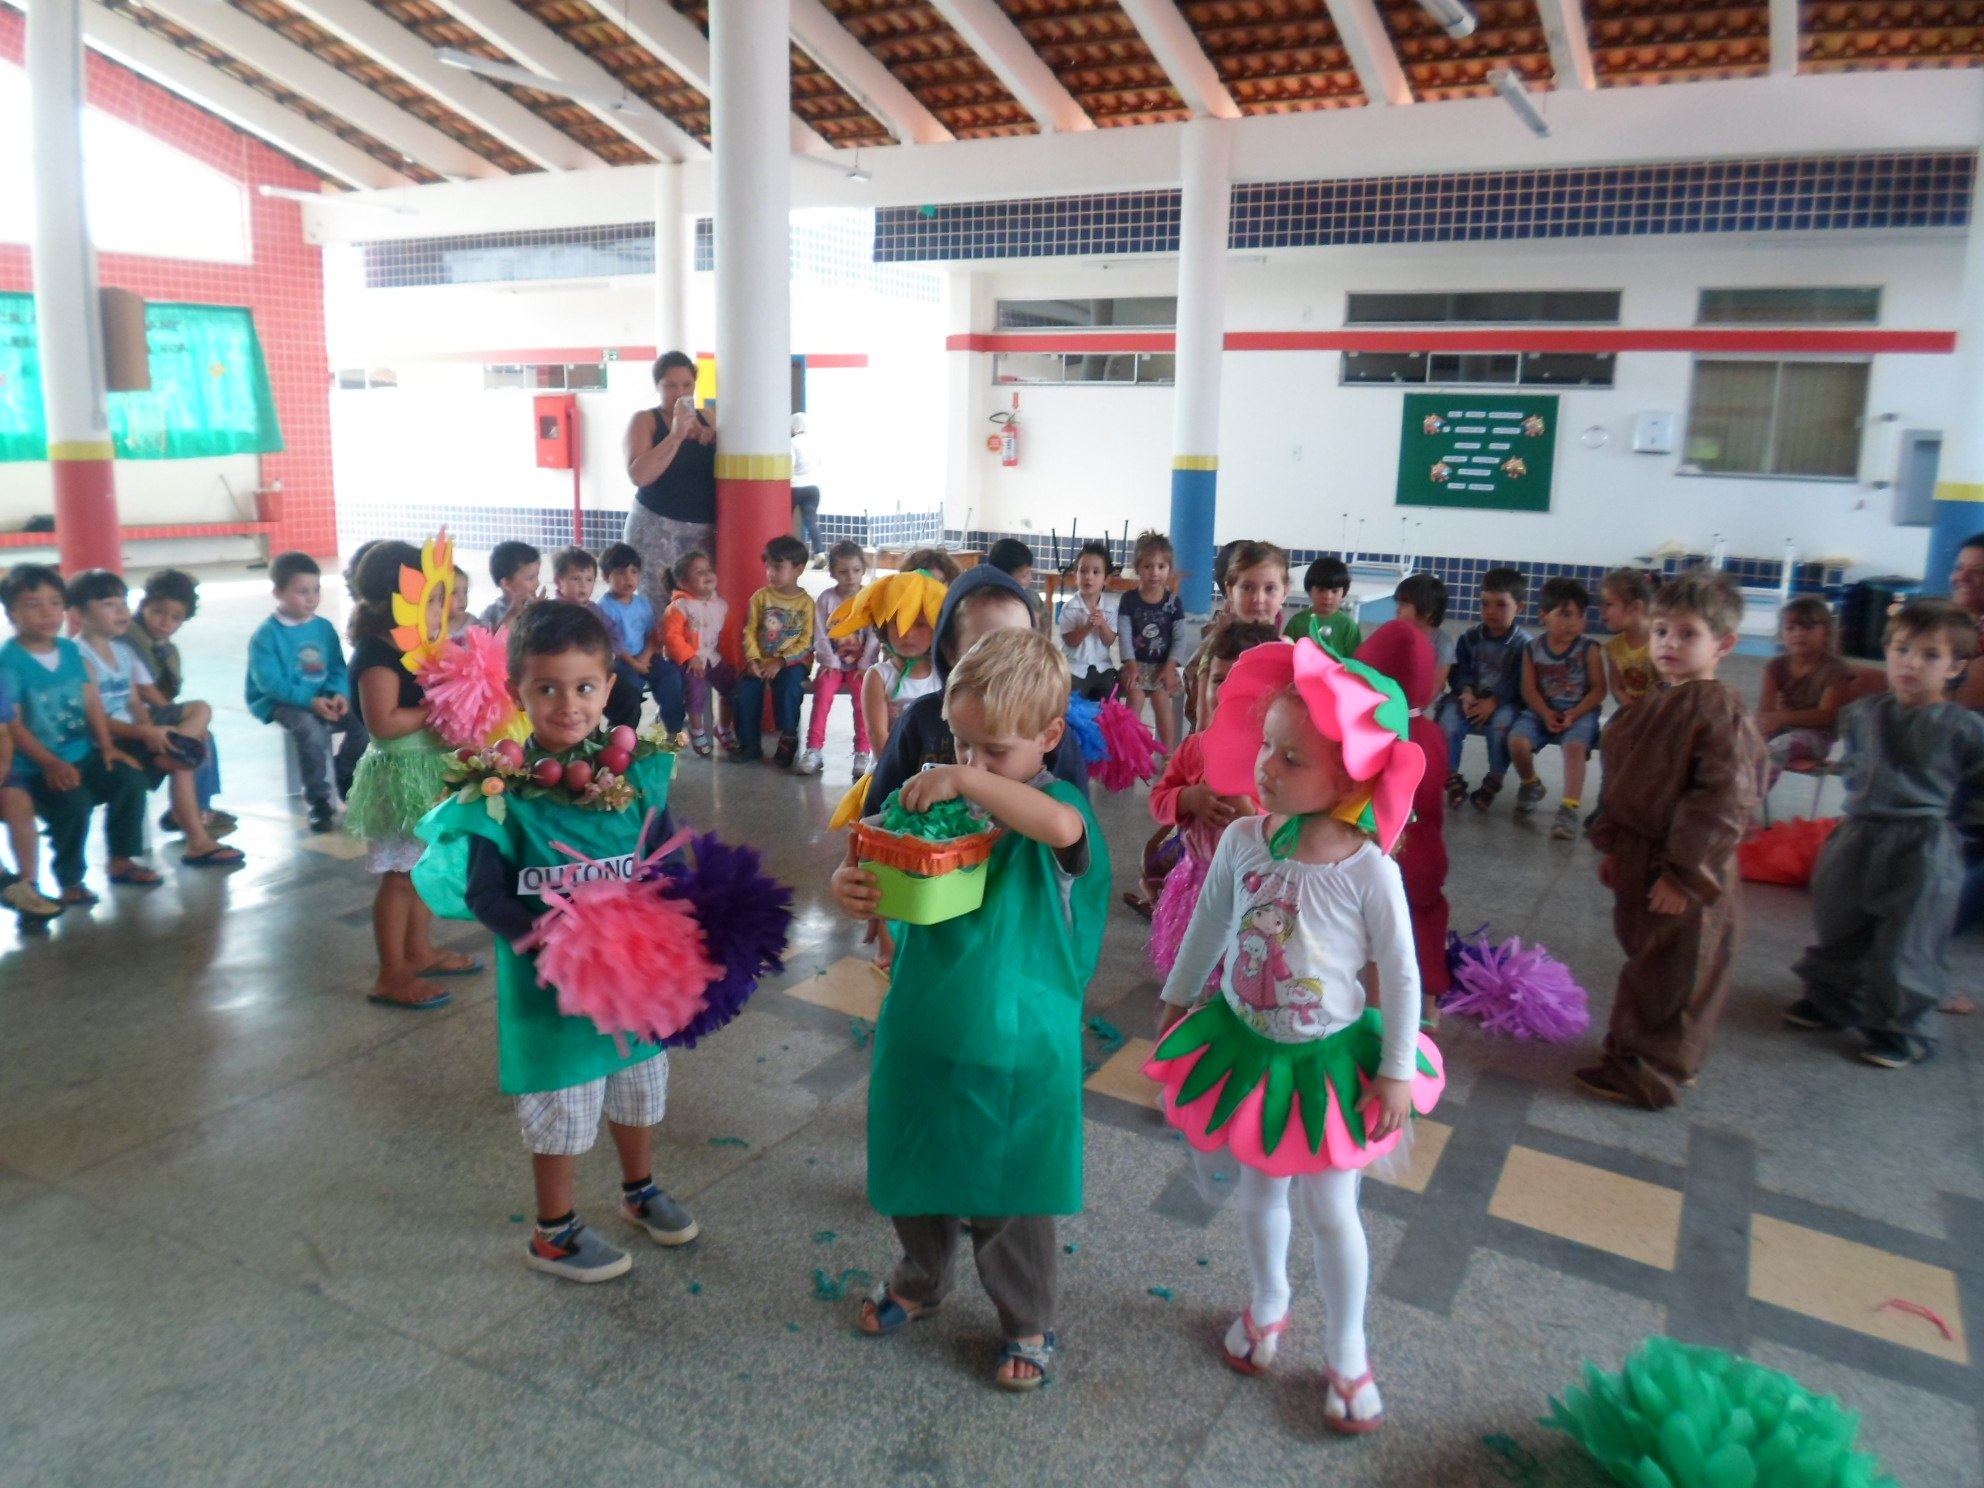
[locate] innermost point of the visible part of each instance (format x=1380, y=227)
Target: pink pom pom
x=467, y=684
x=1131, y=748
x=1519, y=991
x=625, y=957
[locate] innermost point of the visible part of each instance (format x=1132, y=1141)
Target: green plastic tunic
x=538, y=1047
x=975, y=1106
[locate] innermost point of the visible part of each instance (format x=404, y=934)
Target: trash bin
x=1864, y=616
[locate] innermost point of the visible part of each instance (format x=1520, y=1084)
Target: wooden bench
x=163, y=532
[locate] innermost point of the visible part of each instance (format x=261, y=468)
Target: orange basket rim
x=920, y=854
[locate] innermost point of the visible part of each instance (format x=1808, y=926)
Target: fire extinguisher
x=1009, y=434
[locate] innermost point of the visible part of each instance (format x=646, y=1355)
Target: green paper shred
x=825, y=1237
x=1163, y=1294
x=860, y=1030
x=792, y=1327
x=1680, y=1416
x=728, y=1142
x=1071, y=1250
x=516, y=1219
x=944, y=822
x=1205, y=1260
x=1517, y=1465
x=695, y=1288
x=828, y=1288
x=1107, y=1034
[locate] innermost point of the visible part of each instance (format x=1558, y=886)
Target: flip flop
x=79, y=896
x=438, y=1000
x=890, y=1314
x=473, y=968
x=135, y=878
x=215, y=857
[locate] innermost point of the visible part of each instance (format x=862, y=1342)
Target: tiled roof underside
x=1095, y=51
x=917, y=45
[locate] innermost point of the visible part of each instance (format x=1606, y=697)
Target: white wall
x=1298, y=451
x=149, y=492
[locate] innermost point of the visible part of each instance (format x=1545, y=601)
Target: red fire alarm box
x=557, y=416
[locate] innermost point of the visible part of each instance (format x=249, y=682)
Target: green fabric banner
x=210, y=390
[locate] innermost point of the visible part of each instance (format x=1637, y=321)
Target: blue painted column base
x=1194, y=498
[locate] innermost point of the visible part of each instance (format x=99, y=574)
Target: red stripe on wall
x=832, y=361
x=1591, y=342
x=536, y=355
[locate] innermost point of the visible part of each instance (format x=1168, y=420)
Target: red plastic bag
x=1785, y=853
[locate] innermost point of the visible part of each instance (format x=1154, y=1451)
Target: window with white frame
x=1771, y=418
x=542, y=377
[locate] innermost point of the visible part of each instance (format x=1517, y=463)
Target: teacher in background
x=671, y=459
x=806, y=485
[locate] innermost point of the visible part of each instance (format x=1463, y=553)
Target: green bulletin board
x=1478, y=449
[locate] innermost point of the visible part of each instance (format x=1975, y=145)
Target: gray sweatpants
x=1017, y=1265
x=1884, y=898
x=314, y=759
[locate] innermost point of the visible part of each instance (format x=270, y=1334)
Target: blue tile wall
x=1925, y=189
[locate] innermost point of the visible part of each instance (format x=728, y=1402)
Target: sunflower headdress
x=419, y=648
x=901, y=599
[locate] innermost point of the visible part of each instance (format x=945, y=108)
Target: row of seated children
x=84, y=724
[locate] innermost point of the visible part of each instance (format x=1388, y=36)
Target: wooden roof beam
x=1184, y=61
x=1369, y=46
x=1570, y=43
x=1783, y=37
x=1001, y=46
x=685, y=51
x=862, y=77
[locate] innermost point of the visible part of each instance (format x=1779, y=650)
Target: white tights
x=1343, y=1258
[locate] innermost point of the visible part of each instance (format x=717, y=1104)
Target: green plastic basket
x=918, y=900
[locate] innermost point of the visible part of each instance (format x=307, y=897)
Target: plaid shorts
x=565, y=1123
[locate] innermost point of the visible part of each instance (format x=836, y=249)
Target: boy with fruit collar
x=578, y=802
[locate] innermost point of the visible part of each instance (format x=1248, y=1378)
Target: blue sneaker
x=666, y=1221
x=575, y=1253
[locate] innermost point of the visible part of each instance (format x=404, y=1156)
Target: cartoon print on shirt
x=1260, y=968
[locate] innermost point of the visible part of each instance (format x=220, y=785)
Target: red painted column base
x=86, y=529
x=749, y=514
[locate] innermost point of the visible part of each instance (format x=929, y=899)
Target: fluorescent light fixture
x=1455, y=19
x=1516, y=96
x=523, y=77
x=364, y=203
x=856, y=172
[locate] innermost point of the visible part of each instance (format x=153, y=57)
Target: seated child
x=66, y=764
x=842, y=663
x=20, y=891
x=171, y=598
x=561, y=1072
x=1885, y=891
x=458, y=616
x=515, y=567
x=690, y=630
x=574, y=576
x=1484, y=688
x=1563, y=689
x=1182, y=800
x=962, y=1133
x=1325, y=621
x=1010, y=555
x=1089, y=623
x=1804, y=687
x=1252, y=579
x=1151, y=622
x=778, y=642
x=100, y=613
x=1399, y=649
x=1625, y=600
x=1422, y=599
x=640, y=663
x=297, y=681
x=1684, y=771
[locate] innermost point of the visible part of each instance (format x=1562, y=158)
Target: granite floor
x=262, y=1232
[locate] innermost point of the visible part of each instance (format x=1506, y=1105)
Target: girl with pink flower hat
x=1268, y=1049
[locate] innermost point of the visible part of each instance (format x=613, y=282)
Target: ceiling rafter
x=269, y=52
x=839, y=54
x=394, y=46
x=247, y=107
x=1570, y=43
x=1369, y=45
x=1183, y=59
x=987, y=30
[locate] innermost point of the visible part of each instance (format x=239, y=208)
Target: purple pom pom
x=1519, y=991
x=746, y=917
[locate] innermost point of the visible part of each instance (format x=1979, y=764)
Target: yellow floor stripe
x=851, y=985
x=1844, y=1283
x=334, y=845
x=1607, y=1211
x=1122, y=1075
x=1429, y=1144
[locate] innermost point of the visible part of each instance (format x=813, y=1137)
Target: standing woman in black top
x=671, y=459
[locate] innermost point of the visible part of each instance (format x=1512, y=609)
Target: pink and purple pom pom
x=1518, y=991
x=1129, y=748
x=746, y=918
x=467, y=686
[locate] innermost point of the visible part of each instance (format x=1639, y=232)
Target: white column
x=1958, y=510
x=750, y=107
x=671, y=260
x=65, y=296
x=1204, y=214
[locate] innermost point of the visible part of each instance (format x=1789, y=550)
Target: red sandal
x=1256, y=1336
x=1346, y=1391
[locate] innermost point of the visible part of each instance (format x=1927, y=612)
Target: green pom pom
x=941, y=823
x=1677, y=1416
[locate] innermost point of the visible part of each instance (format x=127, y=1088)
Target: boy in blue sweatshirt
x=296, y=678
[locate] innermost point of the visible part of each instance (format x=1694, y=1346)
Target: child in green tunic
x=493, y=864
x=975, y=1105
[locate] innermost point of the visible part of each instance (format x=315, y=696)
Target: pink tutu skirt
x=1172, y=913
x=1283, y=1109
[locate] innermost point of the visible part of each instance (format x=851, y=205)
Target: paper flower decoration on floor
x=1522, y=992
x=467, y=682
x=1679, y=1416
x=417, y=630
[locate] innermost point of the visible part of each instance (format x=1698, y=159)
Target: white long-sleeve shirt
x=1284, y=943
x=1093, y=654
